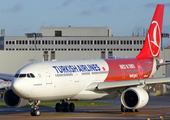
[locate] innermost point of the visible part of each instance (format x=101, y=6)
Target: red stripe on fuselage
x=128, y=69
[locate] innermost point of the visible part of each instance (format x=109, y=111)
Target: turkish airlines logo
x=154, y=37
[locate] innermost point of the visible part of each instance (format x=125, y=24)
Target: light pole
x=31, y=35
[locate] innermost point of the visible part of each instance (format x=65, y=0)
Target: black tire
x=137, y=110
x=132, y=110
x=58, y=107
x=66, y=107
x=32, y=112
x=123, y=109
x=72, y=107
x=37, y=112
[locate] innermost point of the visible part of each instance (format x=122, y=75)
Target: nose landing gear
x=35, y=111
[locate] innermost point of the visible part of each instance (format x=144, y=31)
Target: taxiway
x=157, y=106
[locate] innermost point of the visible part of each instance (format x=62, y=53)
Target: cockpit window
x=22, y=75
x=16, y=75
x=29, y=75
x=32, y=75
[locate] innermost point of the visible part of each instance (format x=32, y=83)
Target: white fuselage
x=56, y=80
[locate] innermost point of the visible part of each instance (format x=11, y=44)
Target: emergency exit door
x=47, y=76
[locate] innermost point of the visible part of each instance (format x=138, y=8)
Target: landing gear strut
x=35, y=111
x=123, y=109
x=65, y=107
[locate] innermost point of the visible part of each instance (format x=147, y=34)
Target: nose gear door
x=47, y=76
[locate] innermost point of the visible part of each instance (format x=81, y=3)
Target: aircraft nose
x=17, y=87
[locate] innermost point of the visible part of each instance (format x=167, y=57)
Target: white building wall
x=12, y=61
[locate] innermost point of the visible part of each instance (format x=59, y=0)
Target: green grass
x=77, y=103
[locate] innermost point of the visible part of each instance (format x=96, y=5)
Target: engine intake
x=134, y=98
x=12, y=100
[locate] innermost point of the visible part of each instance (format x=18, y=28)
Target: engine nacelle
x=12, y=100
x=134, y=98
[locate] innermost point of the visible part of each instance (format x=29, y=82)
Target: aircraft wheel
x=32, y=112
x=72, y=107
x=136, y=110
x=132, y=110
x=66, y=107
x=123, y=109
x=58, y=107
x=37, y=112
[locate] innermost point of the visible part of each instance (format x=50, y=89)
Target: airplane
x=72, y=80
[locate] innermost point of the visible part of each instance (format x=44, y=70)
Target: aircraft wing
x=117, y=85
x=6, y=77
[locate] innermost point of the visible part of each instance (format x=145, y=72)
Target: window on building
x=62, y=42
x=85, y=42
x=95, y=42
x=124, y=42
x=121, y=42
x=134, y=42
x=52, y=42
x=91, y=42
x=137, y=42
x=108, y=42
x=69, y=42
x=52, y=55
x=118, y=42
x=141, y=42
x=58, y=33
x=45, y=55
x=127, y=42
x=104, y=42
x=110, y=53
x=130, y=42
x=6, y=42
x=111, y=42
x=65, y=42
x=101, y=42
x=102, y=54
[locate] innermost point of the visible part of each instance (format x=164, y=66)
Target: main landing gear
x=64, y=107
x=35, y=111
x=123, y=109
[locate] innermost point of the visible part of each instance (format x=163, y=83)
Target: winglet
x=151, y=47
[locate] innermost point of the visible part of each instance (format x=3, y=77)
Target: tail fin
x=151, y=46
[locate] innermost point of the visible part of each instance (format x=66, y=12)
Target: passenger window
x=32, y=75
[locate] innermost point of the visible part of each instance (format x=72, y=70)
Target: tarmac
x=157, y=107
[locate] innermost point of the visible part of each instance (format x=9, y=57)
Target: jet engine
x=12, y=100
x=134, y=98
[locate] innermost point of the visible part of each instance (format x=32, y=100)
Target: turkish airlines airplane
x=91, y=79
